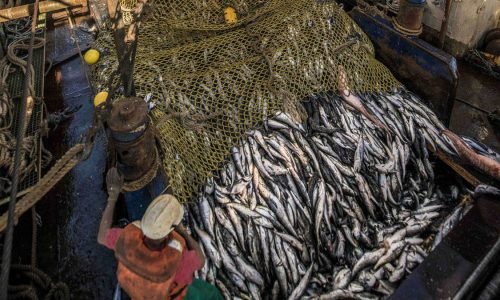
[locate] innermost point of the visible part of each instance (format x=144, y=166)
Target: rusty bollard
x=132, y=138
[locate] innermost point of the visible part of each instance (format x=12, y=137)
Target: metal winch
x=133, y=140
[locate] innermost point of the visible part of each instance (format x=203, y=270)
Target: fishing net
x=212, y=81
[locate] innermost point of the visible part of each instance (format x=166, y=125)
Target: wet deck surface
x=477, y=94
x=70, y=213
x=73, y=209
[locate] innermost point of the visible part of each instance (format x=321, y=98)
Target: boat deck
x=70, y=213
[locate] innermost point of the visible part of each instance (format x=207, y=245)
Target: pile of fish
x=337, y=207
x=447, y=225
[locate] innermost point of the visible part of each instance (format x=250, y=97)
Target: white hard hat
x=161, y=216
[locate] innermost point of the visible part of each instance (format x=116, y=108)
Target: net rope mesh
x=126, y=7
x=212, y=81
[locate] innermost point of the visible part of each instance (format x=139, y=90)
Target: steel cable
x=7, y=247
x=7, y=141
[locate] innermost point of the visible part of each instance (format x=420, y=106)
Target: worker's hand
x=114, y=183
x=181, y=229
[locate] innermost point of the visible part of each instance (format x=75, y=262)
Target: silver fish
x=209, y=246
x=207, y=216
x=264, y=244
x=299, y=289
x=319, y=209
x=225, y=221
x=394, y=250
x=337, y=294
x=359, y=154
x=291, y=197
x=400, y=270
x=291, y=240
x=233, y=216
x=292, y=262
x=342, y=278
x=235, y=153
x=243, y=210
x=355, y=287
x=223, y=289
x=284, y=118
x=368, y=259
x=248, y=271
x=227, y=260
x=279, y=269
x=255, y=291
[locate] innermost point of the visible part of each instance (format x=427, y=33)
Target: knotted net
x=212, y=81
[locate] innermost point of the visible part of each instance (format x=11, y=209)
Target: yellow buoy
x=100, y=98
x=91, y=56
x=230, y=15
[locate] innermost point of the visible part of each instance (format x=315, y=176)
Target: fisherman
x=156, y=256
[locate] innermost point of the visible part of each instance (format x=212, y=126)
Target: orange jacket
x=149, y=274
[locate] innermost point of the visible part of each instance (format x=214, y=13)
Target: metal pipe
x=444, y=24
x=44, y=7
x=21, y=125
x=473, y=282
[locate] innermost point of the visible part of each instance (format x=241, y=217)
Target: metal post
x=444, y=24
x=126, y=45
x=122, y=51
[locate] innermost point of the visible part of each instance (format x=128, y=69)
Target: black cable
x=9, y=234
x=130, y=88
x=471, y=105
x=128, y=54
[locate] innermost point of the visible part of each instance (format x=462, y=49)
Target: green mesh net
x=213, y=81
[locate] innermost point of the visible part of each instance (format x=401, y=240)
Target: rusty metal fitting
x=133, y=139
x=409, y=19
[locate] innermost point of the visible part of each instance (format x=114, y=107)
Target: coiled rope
x=8, y=142
x=9, y=235
x=41, y=284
